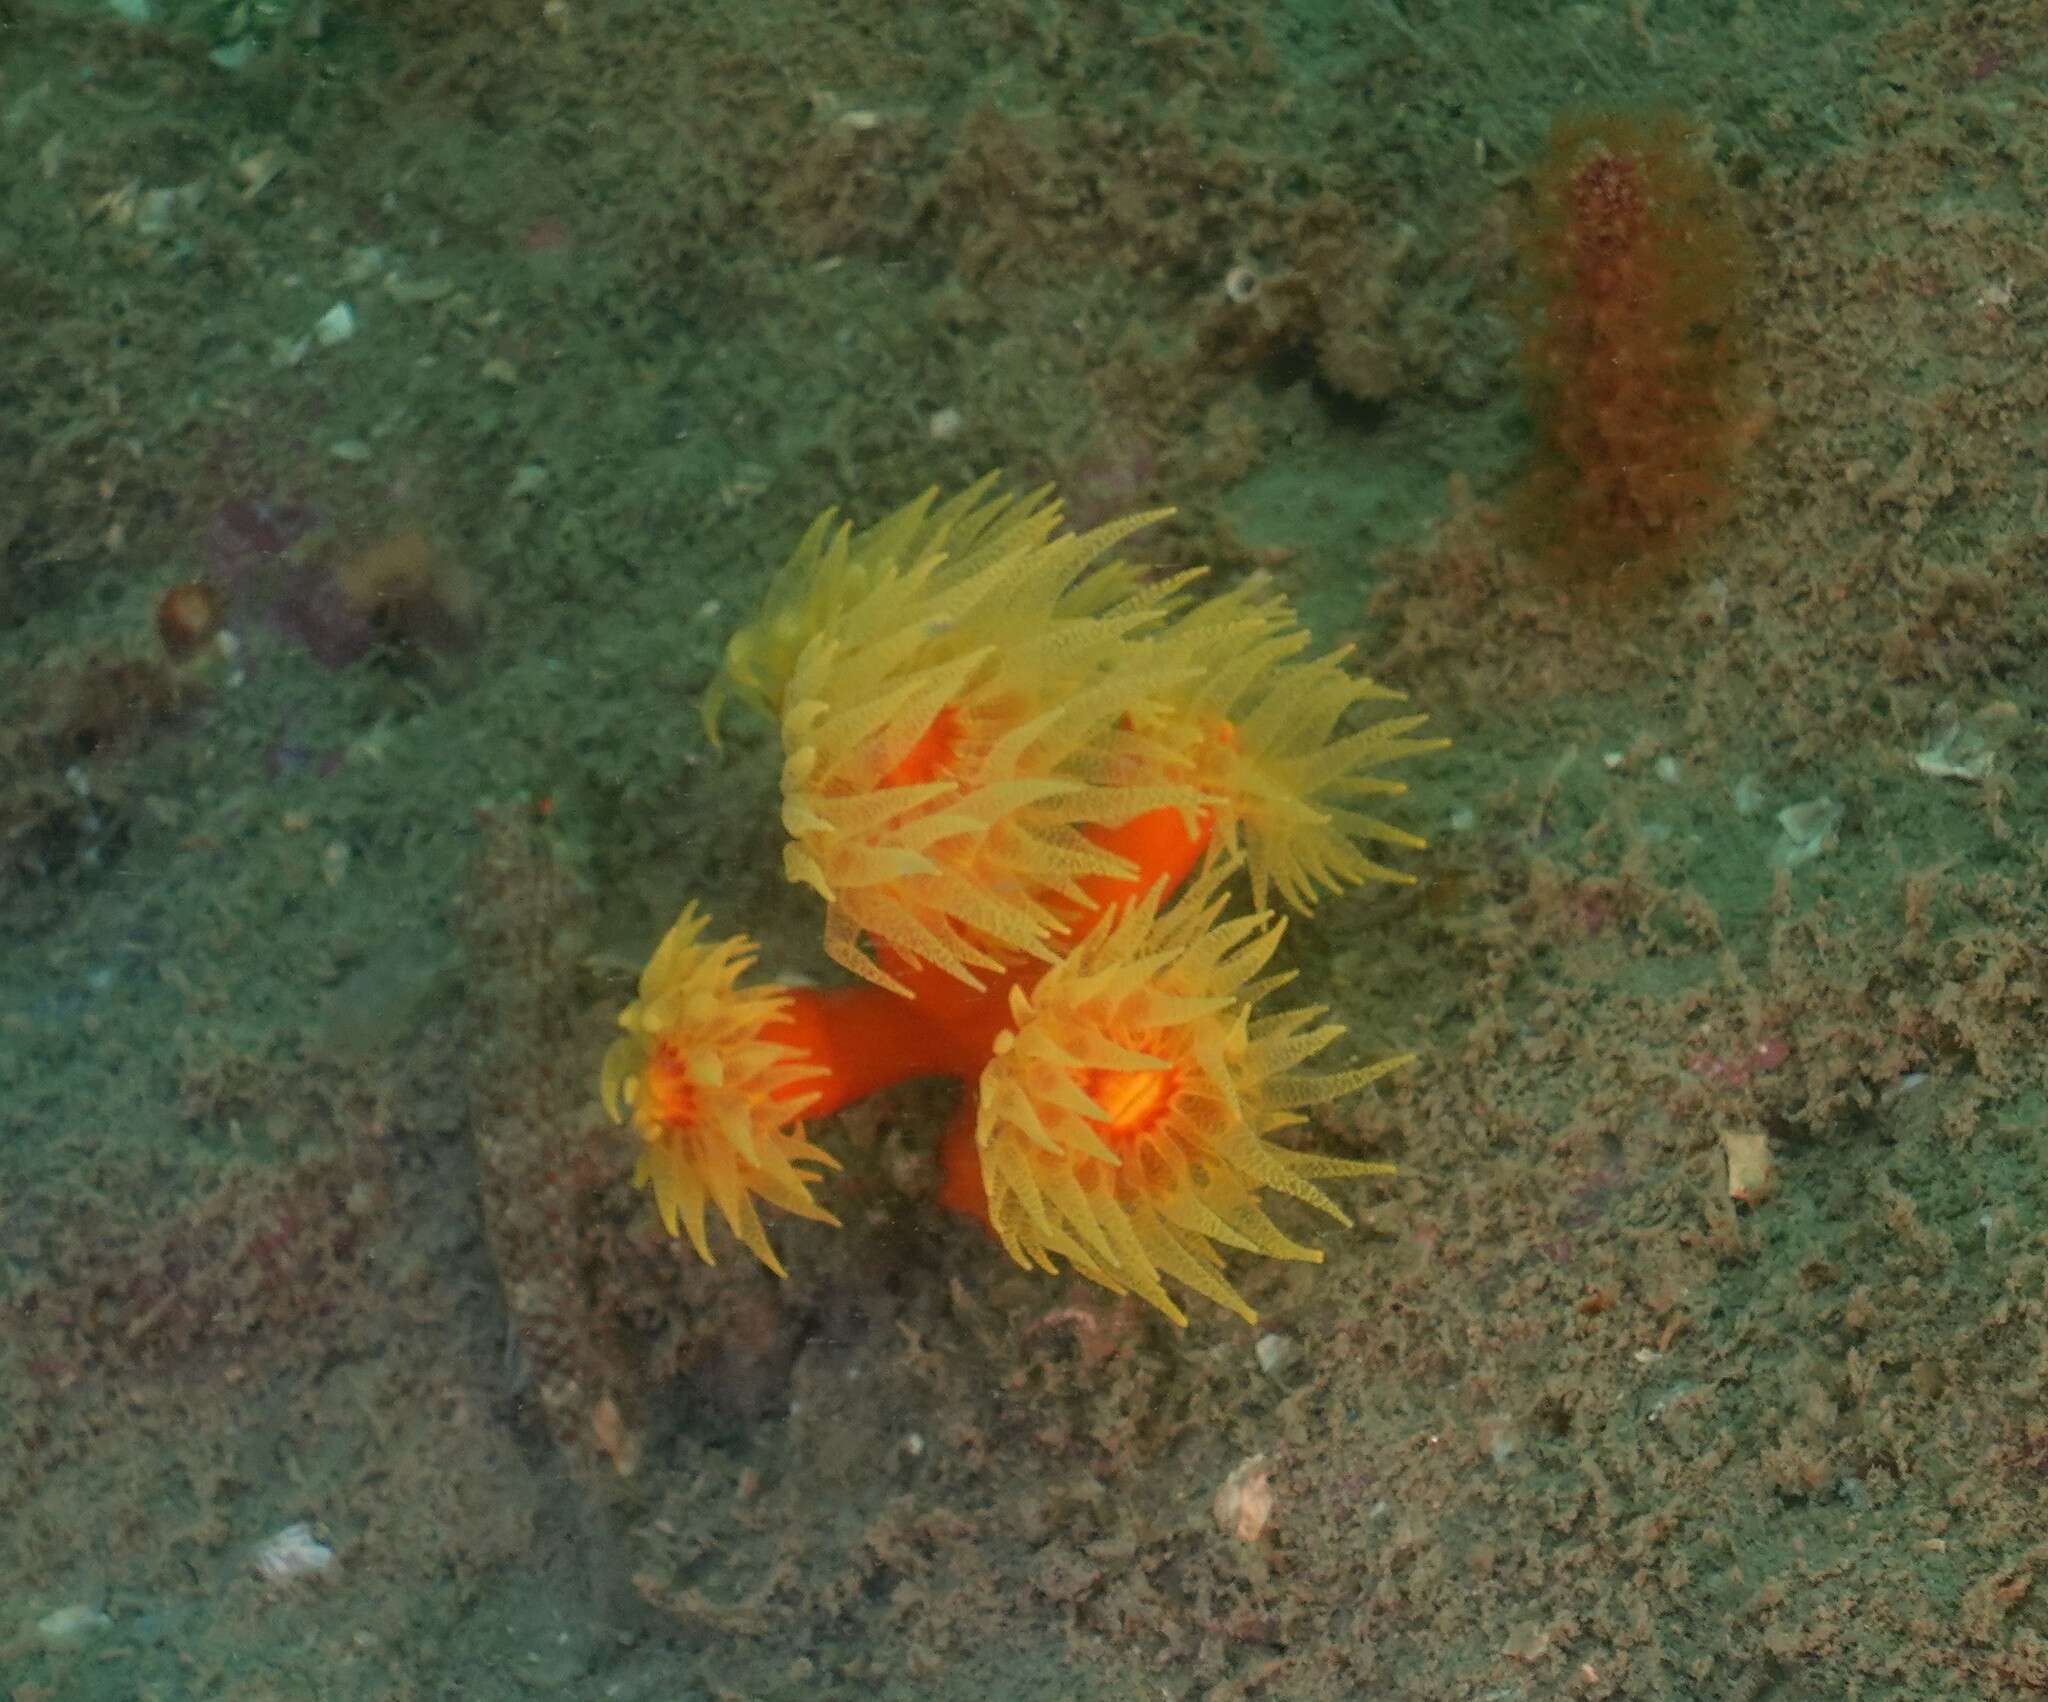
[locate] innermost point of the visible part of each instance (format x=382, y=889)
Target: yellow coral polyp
x=1260, y=732
x=828, y=572
x=1126, y=1118
x=957, y=728
x=718, y=1106
x=965, y=697
x=833, y=569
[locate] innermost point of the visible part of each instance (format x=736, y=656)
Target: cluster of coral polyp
x=1025, y=781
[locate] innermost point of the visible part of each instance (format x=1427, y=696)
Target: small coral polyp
x=1125, y=1118
x=717, y=1100
x=1001, y=756
x=951, y=738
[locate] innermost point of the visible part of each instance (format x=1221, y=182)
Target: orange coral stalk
x=1160, y=845
x=961, y=1188
x=717, y=1075
x=856, y=1041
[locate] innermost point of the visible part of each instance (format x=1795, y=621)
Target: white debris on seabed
x=1906, y=1084
x=1243, y=1504
x=1965, y=750
x=68, y=1627
x=1241, y=286
x=293, y=1556
x=1752, y=1177
x=1276, y=1354
x=527, y=481
x=336, y=325
x=1807, y=828
x=1959, y=754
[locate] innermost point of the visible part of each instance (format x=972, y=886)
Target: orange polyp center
x=1134, y=1102
x=932, y=757
x=671, y=1097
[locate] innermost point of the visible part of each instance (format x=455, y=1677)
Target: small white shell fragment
x=155, y=211
x=1907, y=1083
x=293, y=1555
x=1497, y=1436
x=336, y=325
x=528, y=480
x=944, y=425
x=1751, y=1175
x=1748, y=795
x=413, y=290
x=68, y=1627
x=1276, y=1353
x=1807, y=828
x=257, y=172
x=1243, y=1504
x=1960, y=752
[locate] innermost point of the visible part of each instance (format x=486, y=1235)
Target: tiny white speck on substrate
x=293, y=1555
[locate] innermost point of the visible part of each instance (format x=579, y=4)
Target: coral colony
x=1027, y=783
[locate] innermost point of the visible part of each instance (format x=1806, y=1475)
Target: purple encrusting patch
x=247, y=547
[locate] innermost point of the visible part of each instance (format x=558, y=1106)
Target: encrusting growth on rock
x=1636, y=279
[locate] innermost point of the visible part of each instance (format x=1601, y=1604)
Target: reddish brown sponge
x=189, y=617
x=1636, y=278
